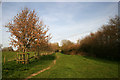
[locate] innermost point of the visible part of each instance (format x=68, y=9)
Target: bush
x=104, y=43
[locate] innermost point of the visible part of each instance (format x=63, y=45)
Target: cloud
x=66, y=20
x=78, y=30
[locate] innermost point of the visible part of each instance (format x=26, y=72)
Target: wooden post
x=34, y=54
x=27, y=57
x=23, y=59
x=4, y=59
x=17, y=58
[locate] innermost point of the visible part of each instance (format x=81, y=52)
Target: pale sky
x=66, y=20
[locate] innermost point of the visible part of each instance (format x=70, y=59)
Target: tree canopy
x=27, y=31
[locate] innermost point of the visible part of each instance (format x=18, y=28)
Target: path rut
x=34, y=74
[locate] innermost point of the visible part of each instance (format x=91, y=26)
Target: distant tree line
x=7, y=49
x=104, y=43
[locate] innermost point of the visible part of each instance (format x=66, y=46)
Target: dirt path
x=54, y=62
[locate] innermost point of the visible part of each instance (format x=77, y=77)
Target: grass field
x=9, y=55
x=12, y=70
x=67, y=66
x=74, y=66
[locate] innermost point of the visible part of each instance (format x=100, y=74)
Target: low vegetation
x=13, y=70
x=104, y=43
x=76, y=66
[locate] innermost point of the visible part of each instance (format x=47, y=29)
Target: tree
x=27, y=31
x=41, y=39
x=105, y=42
x=66, y=46
x=54, y=46
x=66, y=42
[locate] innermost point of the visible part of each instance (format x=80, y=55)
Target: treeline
x=104, y=43
x=51, y=47
x=7, y=49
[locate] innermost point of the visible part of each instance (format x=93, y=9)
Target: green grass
x=13, y=70
x=67, y=66
x=9, y=55
x=74, y=66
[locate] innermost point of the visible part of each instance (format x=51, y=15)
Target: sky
x=66, y=20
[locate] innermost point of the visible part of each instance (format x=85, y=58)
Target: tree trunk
x=23, y=50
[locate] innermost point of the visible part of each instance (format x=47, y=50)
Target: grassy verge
x=10, y=55
x=74, y=66
x=13, y=70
